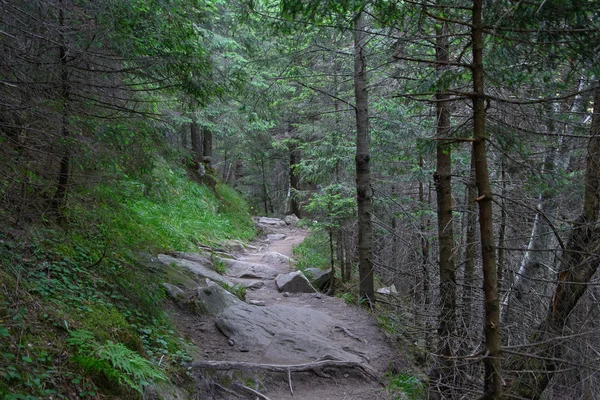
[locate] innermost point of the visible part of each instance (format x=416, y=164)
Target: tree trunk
x=294, y=181
x=470, y=248
x=492, y=377
x=207, y=147
x=62, y=187
x=363, y=177
x=579, y=264
x=443, y=186
x=196, y=142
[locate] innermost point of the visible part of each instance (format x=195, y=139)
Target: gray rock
x=254, y=327
x=252, y=284
x=198, y=268
x=173, y=291
x=291, y=347
x=275, y=236
x=291, y=220
x=195, y=257
x=256, y=303
x=234, y=245
x=388, y=290
x=294, y=282
x=243, y=269
x=273, y=257
x=320, y=278
x=213, y=299
x=271, y=221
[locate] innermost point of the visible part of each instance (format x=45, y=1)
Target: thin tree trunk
x=62, y=187
x=294, y=181
x=196, y=142
x=492, y=377
x=470, y=247
x=363, y=176
x=332, y=262
x=443, y=185
x=207, y=147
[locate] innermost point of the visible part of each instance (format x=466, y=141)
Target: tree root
x=350, y=334
x=315, y=367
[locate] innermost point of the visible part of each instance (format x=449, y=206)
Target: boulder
x=320, y=278
x=254, y=327
x=252, y=284
x=275, y=236
x=197, y=267
x=291, y=220
x=388, y=290
x=292, y=347
x=273, y=257
x=244, y=269
x=294, y=282
x=173, y=292
x=213, y=299
x=271, y=221
x=195, y=257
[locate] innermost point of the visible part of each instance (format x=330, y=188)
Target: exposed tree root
x=315, y=366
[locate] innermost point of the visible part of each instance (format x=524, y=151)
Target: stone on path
x=292, y=347
x=173, y=292
x=254, y=327
x=291, y=220
x=273, y=257
x=294, y=282
x=271, y=221
x=256, y=302
x=275, y=236
x=213, y=299
x=244, y=269
x=320, y=278
x=198, y=267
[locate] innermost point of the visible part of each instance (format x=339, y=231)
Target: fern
x=113, y=360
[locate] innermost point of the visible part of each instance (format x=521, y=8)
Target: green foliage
x=313, y=252
x=237, y=290
x=114, y=361
x=349, y=298
x=404, y=386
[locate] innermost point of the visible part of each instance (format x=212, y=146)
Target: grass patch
x=404, y=386
x=313, y=252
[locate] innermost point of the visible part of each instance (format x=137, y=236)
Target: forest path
x=348, y=327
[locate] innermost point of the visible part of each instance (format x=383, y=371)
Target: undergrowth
x=313, y=252
x=79, y=312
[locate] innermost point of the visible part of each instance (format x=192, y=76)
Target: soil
x=348, y=384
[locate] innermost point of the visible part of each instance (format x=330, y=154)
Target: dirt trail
x=375, y=350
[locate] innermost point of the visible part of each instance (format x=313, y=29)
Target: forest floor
x=363, y=334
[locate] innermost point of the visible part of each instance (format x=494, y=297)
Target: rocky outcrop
x=173, y=292
x=291, y=220
x=243, y=269
x=273, y=257
x=294, y=282
x=200, y=266
x=271, y=221
x=320, y=278
x=252, y=328
x=293, y=347
x=213, y=299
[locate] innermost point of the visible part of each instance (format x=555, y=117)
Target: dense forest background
x=450, y=148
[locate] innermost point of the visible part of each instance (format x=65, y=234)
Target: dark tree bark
x=470, y=247
x=294, y=181
x=364, y=192
x=196, y=140
x=207, y=147
x=62, y=187
x=443, y=186
x=492, y=373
